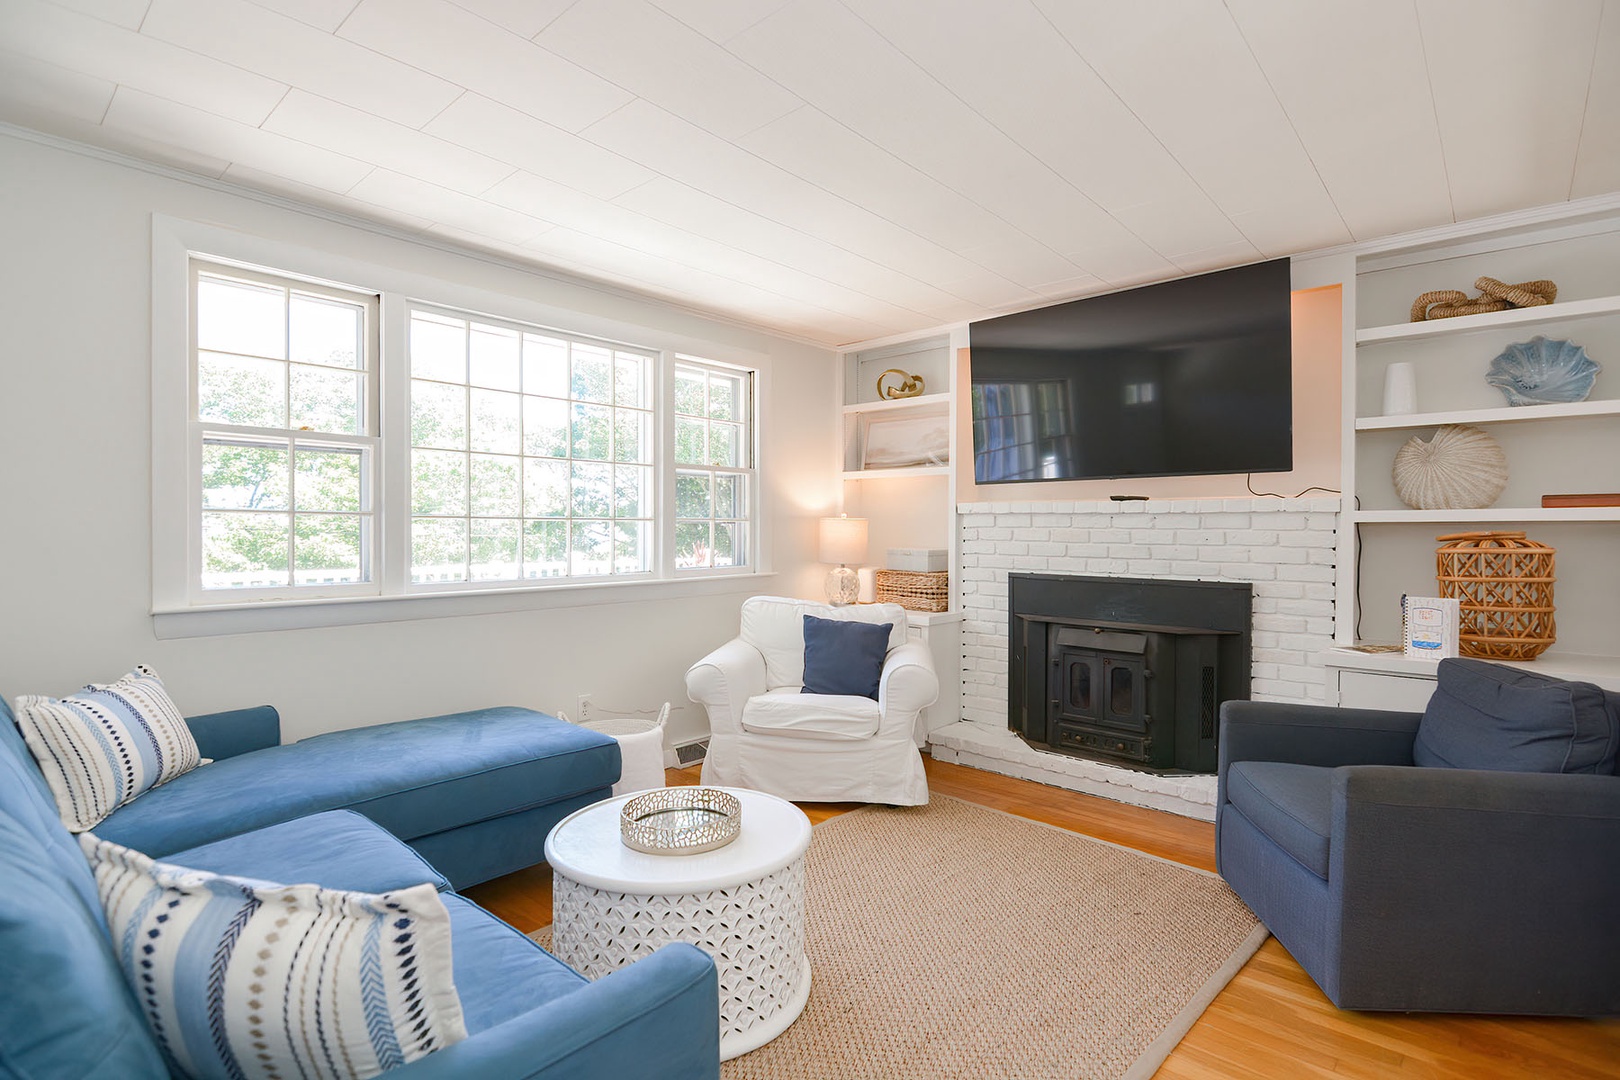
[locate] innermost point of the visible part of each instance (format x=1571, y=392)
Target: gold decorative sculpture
x=909, y=386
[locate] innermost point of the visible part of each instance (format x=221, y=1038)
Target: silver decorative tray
x=680, y=820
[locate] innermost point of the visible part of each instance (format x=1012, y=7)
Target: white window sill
x=247, y=618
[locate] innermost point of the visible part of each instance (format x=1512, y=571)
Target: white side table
x=743, y=904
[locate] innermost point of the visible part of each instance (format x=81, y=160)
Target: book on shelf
x=1611, y=498
x=1430, y=625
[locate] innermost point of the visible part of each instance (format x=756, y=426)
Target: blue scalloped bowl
x=1544, y=371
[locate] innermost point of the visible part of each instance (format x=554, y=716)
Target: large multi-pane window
x=284, y=419
x=531, y=453
x=518, y=455
x=713, y=465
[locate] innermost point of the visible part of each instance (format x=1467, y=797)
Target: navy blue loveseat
x=1464, y=859
x=450, y=800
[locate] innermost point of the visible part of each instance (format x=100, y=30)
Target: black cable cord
x=1248, y=482
x=1356, y=600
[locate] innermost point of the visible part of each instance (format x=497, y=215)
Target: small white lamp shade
x=843, y=541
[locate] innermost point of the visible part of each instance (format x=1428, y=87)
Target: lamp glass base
x=843, y=586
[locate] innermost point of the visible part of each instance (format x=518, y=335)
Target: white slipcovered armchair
x=766, y=735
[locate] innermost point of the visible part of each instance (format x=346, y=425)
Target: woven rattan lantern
x=1505, y=583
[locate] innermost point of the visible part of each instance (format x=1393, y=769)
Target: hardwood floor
x=1271, y=1021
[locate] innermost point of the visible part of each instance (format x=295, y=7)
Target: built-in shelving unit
x=1389, y=548
x=921, y=414
x=1565, y=311
x=1496, y=514
x=898, y=455
x=898, y=462
x=1505, y=415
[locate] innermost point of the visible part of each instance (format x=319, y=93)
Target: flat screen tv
x=1183, y=378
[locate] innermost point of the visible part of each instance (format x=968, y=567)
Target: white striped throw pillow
x=105, y=745
x=245, y=979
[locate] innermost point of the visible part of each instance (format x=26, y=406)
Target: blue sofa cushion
x=244, y=977
x=1291, y=804
x=25, y=797
x=67, y=1011
x=499, y=972
x=844, y=657
x=413, y=778
x=1488, y=716
x=338, y=849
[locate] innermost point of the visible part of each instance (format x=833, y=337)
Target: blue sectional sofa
x=451, y=800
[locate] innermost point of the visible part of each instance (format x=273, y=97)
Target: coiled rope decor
x=1494, y=296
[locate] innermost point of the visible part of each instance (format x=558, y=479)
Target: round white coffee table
x=743, y=904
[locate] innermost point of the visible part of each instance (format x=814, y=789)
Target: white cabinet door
x=1402, y=693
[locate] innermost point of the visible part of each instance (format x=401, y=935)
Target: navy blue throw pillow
x=1487, y=716
x=844, y=657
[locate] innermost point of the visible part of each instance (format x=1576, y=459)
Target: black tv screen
x=1183, y=378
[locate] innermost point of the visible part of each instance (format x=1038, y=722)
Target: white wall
x=75, y=482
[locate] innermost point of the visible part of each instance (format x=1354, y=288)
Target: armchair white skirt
x=766, y=734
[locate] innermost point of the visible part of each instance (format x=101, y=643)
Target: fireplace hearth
x=1128, y=671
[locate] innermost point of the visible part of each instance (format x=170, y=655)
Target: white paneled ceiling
x=841, y=170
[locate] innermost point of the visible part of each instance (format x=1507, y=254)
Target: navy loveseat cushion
x=1291, y=804
x=1488, y=716
x=338, y=849
x=413, y=778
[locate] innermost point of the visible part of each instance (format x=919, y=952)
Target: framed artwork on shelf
x=903, y=442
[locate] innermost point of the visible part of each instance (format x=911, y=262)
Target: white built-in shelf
x=897, y=472
x=1489, y=515
x=1386, y=549
x=1602, y=670
x=921, y=401
x=1504, y=415
x=1491, y=320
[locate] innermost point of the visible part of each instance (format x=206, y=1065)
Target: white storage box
x=924, y=560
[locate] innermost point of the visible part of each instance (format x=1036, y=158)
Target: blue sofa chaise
x=475, y=793
x=449, y=800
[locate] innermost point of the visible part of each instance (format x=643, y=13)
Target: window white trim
x=298, y=614
x=745, y=471
x=175, y=241
x=367, y=440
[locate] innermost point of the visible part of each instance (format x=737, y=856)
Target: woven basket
x=1505, y=583
x=914, y=590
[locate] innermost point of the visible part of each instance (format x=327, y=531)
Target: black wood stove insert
x=1130, y=671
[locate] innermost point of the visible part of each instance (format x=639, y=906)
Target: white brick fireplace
x=1283, y=547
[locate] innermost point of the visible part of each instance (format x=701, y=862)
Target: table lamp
x=843, y=541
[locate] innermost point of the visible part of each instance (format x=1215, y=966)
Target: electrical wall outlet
x=585, y=709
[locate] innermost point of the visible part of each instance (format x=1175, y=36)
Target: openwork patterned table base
x=754, y=931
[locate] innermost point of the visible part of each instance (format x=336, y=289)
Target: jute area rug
x=952, y=941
